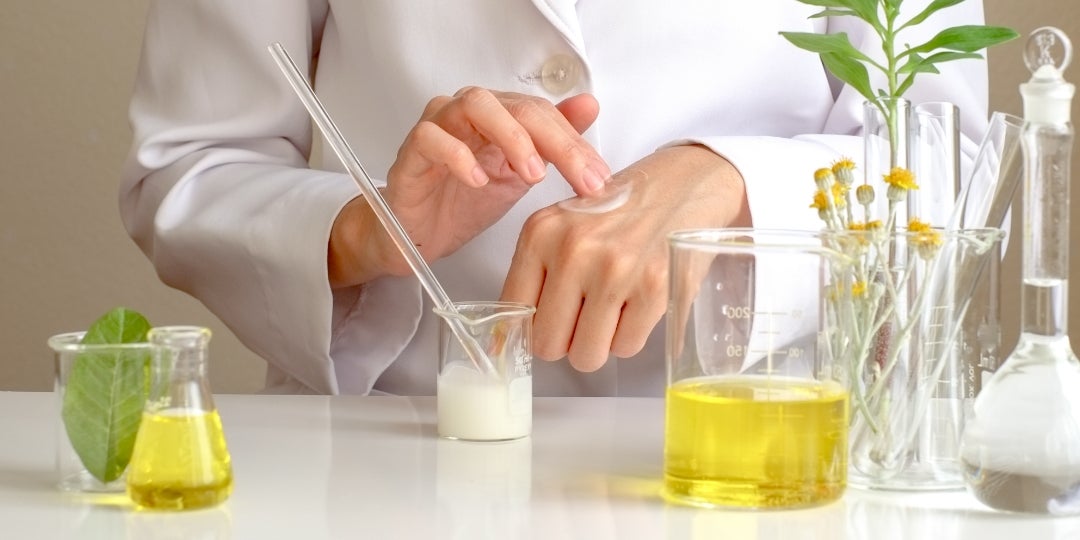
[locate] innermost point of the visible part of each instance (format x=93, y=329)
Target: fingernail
x=479, y=176
x=593, y=179
x=537, y=169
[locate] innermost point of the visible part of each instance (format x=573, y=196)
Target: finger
x=644, y=307
x=559, y=141
x=524, y=279
x=591, y=342
x=428, y=145
x=638, y=319
x=482, y=113
x=435, y=105
x=580, y=111
x=556, y=316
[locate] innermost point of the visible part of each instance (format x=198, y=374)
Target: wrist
x=358, y=251
x=718, y=180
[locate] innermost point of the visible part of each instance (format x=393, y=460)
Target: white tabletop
x=372, y=467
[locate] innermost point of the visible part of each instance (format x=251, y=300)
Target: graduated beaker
x=479, y=405
x=757, y=412
x=101, y=386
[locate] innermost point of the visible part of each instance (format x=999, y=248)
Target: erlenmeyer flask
x=180, y=460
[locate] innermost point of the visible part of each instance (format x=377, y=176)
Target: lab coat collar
x=562, y=14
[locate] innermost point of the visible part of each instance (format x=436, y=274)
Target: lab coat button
x=560, y=73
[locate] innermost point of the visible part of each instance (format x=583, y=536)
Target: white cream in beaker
x=483, y=407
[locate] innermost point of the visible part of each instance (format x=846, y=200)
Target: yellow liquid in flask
x=180, y=461
x=755, y=442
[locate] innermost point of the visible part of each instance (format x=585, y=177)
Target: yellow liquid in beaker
x=755, y=442
x=180, y=461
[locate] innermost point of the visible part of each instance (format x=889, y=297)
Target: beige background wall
x=66, y=70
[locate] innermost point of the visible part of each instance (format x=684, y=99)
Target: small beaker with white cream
x=483, y=405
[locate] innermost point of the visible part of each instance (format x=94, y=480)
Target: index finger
x=556, y=133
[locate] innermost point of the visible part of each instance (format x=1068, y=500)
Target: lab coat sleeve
x=217, y=192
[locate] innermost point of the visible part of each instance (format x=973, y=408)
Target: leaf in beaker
x=105, y=393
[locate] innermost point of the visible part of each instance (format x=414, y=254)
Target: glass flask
x=180, y=460
x=1021, y=451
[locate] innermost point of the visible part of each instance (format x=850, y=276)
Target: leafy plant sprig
x=900, y=65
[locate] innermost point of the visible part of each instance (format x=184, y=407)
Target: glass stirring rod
x=389, y=221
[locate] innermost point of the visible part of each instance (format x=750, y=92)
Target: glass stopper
x=1047, y=46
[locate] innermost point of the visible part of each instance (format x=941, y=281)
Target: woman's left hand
x=599, y=280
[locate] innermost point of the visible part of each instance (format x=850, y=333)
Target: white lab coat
x=217, y=190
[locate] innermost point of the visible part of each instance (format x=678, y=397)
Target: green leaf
x=825, y=3
x=969, y=38
x=105, y=393
x=833, y=13
x=850, y=71
x=907, y=82
x=934, y=7
x=918, y=64
x=825, y=43
x=865, y=10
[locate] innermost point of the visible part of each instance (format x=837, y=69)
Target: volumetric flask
x=756, y=411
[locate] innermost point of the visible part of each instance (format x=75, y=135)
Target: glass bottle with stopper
x=1021, y=449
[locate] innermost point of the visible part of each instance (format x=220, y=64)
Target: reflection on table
x=373, y=467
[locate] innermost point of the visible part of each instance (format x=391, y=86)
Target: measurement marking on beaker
x=768, y=352
x=794, y=352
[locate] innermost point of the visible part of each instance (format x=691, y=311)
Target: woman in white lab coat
x=727, y=119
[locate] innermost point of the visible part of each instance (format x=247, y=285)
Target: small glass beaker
x=84, y=400
x=481, y=406
x=180, y=461
x=757, y=415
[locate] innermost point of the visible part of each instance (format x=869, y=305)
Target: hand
x=468, y=159
x=599, y=281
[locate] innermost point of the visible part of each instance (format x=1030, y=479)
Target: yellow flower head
x=858, y=290
x=838, y=192
x=821, y=202
x=863, y=234
x=823, y=178
x=864, y=194
x=900, y=181
x=844, y=170
x=918, y=226
x=927, y=240
x=901, y=178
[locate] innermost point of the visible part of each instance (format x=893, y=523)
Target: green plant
x=886, y=310
x=900, y=66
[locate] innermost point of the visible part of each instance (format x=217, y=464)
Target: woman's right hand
x=463, y=165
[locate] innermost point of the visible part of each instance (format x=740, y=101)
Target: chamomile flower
x=823, y=178
x=864, y=194
x=900, y=181
x=926, y=240
x=844, y=170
